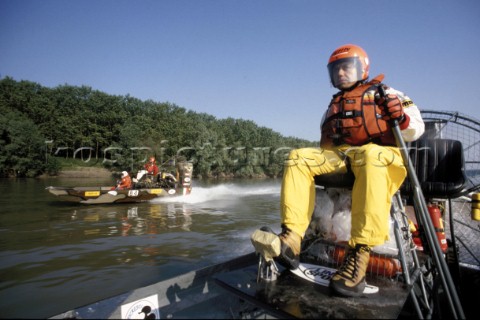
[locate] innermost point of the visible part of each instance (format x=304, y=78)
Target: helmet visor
x=345, y=72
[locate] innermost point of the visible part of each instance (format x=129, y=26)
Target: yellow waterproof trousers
x=379, y=172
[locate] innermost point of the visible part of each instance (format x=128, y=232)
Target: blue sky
x=259, y=60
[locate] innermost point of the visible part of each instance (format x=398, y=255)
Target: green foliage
x=53, y=166
x=120, y=132
x=22, y=151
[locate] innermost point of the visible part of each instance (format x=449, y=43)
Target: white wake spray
x=223, y=192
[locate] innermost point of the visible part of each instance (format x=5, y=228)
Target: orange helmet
x=349, y=53
x=152, y=159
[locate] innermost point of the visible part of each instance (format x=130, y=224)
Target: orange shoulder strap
x=377, y=79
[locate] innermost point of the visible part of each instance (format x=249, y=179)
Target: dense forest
x=41, y=126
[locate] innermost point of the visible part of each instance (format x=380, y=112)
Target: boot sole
x=340, y=290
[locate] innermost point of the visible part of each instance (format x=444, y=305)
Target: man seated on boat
x=356, y=135
x=125, y=183
x=152, y=169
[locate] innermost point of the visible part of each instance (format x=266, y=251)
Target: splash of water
x=222, y=192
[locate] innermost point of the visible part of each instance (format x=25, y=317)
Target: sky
x=258, y=60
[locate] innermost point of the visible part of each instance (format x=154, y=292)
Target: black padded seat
x=440, y=167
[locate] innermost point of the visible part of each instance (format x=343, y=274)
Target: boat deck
x=230, y=290
x=194, y=295
x=291, y=297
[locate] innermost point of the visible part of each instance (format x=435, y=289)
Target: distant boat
x=145, y=188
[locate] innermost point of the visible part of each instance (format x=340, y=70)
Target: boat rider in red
x=355, y=134
x=125, y=183
x=151, y=167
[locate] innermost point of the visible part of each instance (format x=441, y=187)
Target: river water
x=56, y=255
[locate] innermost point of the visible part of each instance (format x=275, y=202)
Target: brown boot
x=283, y=248
x=290, y=248
x=350, y=278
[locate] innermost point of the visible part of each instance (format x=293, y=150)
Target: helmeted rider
x=151, y=167
x=356, y=134
x=125, y=182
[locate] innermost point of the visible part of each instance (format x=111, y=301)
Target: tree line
x=40, y=125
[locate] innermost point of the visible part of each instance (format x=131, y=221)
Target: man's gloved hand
x=391, y=108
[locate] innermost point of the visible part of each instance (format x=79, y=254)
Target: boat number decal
x=145, y=308
x=92, y=193
x=155, y=191
x=133, y=193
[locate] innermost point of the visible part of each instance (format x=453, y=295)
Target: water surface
x=56, y=255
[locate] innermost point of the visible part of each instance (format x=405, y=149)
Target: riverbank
x=83, y=172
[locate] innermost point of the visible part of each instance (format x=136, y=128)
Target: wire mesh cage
x=457, y=126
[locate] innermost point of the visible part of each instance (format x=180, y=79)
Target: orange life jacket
x=126, y=183
x=353, y=118
x=151, y=168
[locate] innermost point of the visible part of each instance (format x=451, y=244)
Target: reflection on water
x=135, y=221
x=55, y=256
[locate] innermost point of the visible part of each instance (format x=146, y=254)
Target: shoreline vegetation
x=82, y=172
x=43, y=130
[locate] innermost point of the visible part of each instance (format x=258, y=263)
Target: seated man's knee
x=313, y=158
x=370, y=155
